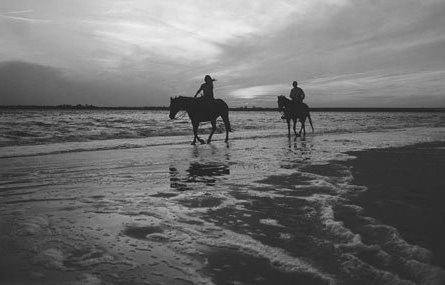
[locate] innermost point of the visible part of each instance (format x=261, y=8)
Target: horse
x=202, y=110
x=293, y=112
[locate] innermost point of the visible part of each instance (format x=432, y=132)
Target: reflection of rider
x=296, y=94
x=206, y=88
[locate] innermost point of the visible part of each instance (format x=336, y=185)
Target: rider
x=206, y=88
x=296, y=94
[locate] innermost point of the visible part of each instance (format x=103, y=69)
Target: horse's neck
x=187, y=102
x=287, y=102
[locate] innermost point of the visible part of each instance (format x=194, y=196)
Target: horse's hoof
x=193, y=143
x=209, y=141
x=202, y=142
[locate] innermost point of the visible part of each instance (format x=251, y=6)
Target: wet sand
x=406, y=190
x=255, y=211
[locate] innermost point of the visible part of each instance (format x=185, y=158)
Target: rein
x=181, y=116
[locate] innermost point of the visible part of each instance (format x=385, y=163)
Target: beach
x=405, y=190
x=334, y=208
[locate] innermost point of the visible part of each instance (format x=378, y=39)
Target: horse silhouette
x=295, y=111
x=202, y=110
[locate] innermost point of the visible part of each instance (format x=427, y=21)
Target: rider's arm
x=293, y=94
x=197, y=92
x=302, y=94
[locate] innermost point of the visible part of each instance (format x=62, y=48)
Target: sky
x=343, y=53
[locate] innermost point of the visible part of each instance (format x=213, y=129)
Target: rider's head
x=295, y=84
x=208, y=79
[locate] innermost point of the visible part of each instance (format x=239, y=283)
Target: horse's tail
x=226, y=120
x=225, y=115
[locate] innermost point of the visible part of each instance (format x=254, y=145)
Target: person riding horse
x=206, y=88
x=297, y=96
x=203, y=109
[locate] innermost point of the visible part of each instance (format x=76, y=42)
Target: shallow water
x=262, y=209
x=31, y=127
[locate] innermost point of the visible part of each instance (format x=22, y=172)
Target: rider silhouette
x=206, y=88
x=296, y=95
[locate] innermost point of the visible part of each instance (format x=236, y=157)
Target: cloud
x=44, y=85
x=25, y=19
x=254, y=47
x=377, y=89
x=258, y=91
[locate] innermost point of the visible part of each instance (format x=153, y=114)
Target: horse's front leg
x=196, y=134
x=212, y=131
x=288, y=127
x=294, y=128
x=303, y=128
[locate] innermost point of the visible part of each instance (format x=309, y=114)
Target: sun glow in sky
x=127, y=52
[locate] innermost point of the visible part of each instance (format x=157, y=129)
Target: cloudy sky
x=343, y=53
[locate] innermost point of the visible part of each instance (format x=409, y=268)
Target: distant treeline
x=164, y=108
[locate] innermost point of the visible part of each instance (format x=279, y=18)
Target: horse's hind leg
x=195, y=133
x=212, y=132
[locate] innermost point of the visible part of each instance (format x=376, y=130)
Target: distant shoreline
x=164, y=108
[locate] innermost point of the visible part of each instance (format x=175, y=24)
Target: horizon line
x=244, y=108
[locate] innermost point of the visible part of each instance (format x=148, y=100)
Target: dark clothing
x=297, y=94
x=207, y=90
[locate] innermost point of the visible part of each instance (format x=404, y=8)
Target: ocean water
x=120, y=197
x=65, y=130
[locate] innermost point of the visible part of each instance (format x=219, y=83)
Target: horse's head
x=174, y=107
x=281, y=102
x=178, y=104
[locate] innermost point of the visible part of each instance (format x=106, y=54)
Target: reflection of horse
x=293, y=112
x=206, y=173
x=201, y=111
x=206, y=166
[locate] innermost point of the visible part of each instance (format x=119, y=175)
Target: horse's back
x=221, y=102
x=219, y=105
x=209, y=109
